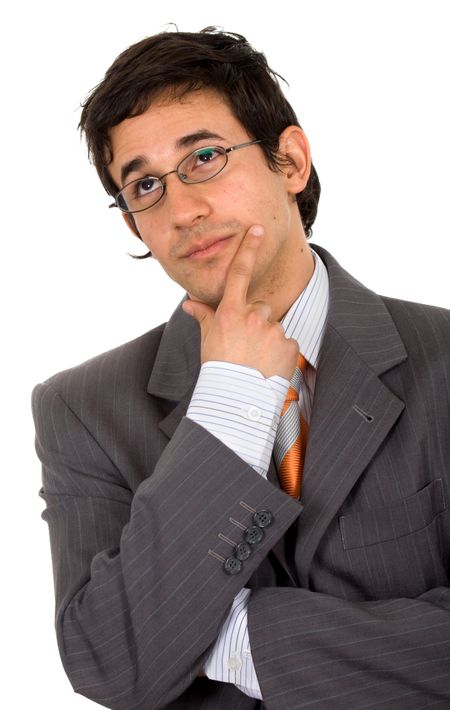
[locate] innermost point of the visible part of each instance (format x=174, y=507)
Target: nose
x=186, y=203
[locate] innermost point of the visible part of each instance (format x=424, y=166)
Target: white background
x=370, y=83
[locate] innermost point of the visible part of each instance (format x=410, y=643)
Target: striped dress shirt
x=241, y=407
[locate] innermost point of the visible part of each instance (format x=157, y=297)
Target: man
x=194, y=566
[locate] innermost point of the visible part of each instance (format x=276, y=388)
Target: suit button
x=262, y=518
x=232, y=565
x=242, y=551
x=253, y=535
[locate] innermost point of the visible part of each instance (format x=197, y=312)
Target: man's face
x=196, y=229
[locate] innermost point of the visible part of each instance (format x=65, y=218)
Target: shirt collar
x=305, y=320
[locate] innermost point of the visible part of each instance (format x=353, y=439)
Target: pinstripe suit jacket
x=351, y=600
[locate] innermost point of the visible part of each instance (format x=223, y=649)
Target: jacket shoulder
x=420, y=320
x=129, y=364
x=425, y=332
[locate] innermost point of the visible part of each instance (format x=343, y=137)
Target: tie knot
x=299, y=373
x=294, y=388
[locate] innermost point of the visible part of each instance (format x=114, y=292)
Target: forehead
x=157, y=134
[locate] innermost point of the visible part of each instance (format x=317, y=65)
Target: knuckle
x=264, y=309
x=254, y=323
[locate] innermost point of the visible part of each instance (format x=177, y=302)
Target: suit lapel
x=353, y=411
x=176, y=368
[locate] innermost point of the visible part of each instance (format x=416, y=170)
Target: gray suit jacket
x=351, y=601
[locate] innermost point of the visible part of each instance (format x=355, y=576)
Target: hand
x=241, y=332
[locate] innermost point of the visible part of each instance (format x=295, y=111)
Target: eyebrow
x=140, y=161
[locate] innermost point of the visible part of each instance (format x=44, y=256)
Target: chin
x=210, y=298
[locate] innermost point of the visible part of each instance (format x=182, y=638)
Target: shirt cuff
x=230, y=660
x=241, y=408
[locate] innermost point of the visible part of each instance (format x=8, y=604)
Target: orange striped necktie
x=292, y=432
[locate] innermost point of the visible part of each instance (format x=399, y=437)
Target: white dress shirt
x=241, y=407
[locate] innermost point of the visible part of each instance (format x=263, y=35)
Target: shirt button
x=234, y=663
x=253, y=413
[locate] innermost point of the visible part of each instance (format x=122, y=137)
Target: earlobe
x=294, y=148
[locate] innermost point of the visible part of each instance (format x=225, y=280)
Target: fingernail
x=257, y=231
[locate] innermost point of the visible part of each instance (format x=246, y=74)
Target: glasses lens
x=202, y=164
x=140, y=194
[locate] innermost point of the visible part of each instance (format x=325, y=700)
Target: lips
x=203, y=247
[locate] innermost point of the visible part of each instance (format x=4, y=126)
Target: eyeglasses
x=199, y=166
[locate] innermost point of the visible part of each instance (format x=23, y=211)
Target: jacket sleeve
x=312, y=649
x=315, y=650
x=141, y=590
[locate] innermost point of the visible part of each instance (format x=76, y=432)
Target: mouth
x=206, y=248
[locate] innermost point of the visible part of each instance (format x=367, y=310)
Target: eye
x=202, y=164
x=146, y=186
x=206, y=155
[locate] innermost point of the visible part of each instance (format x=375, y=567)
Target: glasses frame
x=225, y=152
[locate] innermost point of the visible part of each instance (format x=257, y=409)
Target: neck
x=284, y=288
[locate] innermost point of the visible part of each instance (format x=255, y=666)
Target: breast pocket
x=399, y=550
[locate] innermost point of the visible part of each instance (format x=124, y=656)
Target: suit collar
x=360, y=317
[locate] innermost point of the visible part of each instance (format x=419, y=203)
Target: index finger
x=241, y=268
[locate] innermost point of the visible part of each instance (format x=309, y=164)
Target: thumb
x=201, y=312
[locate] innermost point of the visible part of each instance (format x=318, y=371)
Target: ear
x=293, y=147
x=131, y=224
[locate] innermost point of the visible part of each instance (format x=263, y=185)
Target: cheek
x=247, y=202
x=149, y=232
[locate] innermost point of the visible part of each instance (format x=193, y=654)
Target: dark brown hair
x=187, y=61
